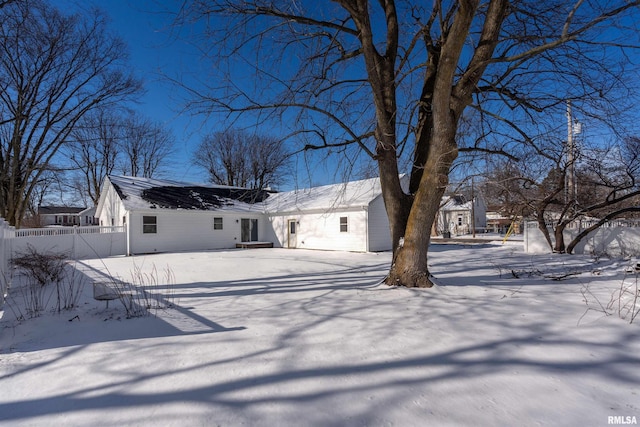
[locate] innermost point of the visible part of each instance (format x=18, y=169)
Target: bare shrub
x=625, y=300
x=155, y=289
x=47, y=277
x=41, y=267
x=145, y=291
x=69, y=290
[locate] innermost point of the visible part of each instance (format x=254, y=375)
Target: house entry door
x=292, y=240
x=249, y=230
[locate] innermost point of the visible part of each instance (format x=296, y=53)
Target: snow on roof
x=147, y=193
x=455, y=203
x=335, y=196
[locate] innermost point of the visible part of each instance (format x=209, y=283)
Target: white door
x=292, y=239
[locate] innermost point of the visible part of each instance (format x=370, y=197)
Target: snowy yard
x=277, y=337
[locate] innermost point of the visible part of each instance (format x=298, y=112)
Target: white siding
x=379, y=232
x=112, y=208
x=47, y=220
x=480, y=213
x=322, y=230
x=183, y=230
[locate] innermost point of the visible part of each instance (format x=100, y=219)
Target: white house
x=457, y=215
x=164, y=216
x=66, y=216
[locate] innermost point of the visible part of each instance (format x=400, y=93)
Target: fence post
x=5, y=256
x=75, y=243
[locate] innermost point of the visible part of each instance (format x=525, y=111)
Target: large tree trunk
x=448, y=101
x=558, y=233
x=410, y=267
x=397, y=202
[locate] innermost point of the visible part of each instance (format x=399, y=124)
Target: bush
x=48, y=277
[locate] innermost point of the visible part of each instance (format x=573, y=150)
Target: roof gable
x=455, y=202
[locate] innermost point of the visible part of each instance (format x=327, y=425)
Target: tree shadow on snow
x=315, y=340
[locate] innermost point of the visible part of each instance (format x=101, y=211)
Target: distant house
x=458, y=216
x=163, y=216
x=66, y=216
x=499, y=222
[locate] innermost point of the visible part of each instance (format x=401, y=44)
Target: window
x=343, y=224
x=217, y=223
x=460, y=220
x=149, y=224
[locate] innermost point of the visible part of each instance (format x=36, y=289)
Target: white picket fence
x=619, y=238
x=76, y=242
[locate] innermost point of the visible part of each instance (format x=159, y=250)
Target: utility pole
x=570, y=180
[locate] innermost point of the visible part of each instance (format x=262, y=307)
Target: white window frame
x=218, y=223
x=344, y=224
x=149, y=227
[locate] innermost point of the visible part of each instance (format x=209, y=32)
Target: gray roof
x=59, y=210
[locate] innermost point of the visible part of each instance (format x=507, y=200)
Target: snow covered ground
x=277, y=337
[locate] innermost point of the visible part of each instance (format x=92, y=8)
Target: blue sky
x=156, y=52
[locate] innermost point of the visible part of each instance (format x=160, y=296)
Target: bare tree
x=394, y=79
x=54, y=68
x=146, y=147
x=607, y=187
x=94, y=150
x=240, y=159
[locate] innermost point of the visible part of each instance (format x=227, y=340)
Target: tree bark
x=410, y=267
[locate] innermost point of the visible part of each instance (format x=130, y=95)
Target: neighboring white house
x=457, y=215
x=66, y=216
x=163, y=216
